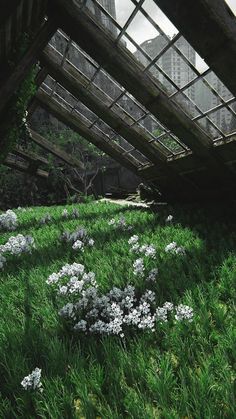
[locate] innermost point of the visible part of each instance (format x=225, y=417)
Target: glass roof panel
x=160, y=18
x=107, y=85
x=232, y=5
x=89, y=118
x=168, y=57
x=140, y=29
x=123, y=8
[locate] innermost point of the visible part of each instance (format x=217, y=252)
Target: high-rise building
x=171, y=63
x=206, y=100
x=110, y=7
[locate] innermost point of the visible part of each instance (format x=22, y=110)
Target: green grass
x=179, y=371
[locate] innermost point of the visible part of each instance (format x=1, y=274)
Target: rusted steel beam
x=55, y=150
x=210, y=27
x=75, y=122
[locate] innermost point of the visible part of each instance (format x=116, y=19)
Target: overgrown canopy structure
x=164, y=108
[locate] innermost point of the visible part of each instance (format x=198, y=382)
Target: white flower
x=81, y=326
x=91, y=242
x=8, y=220
x=169, y=219
x=18, y=244
x=45, y=219
x=71, y=270
x=174, y=248
x=121, y=224
x=148, y=250
x=133, y=239
x=67, y=311
x=135, y=248
x=75, y=213
x=180, y=251
x=78, y=244
x=168, y=306
x=138, y=266
x=32, y=381
x=53, y=278
x=161, y=314
x=63, y=290
x=184, y=312
x=65, y=213
x=152, y=275
x=170, y=247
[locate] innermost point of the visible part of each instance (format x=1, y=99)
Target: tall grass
x=179, y=371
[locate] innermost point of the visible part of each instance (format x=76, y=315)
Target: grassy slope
x=180, y=371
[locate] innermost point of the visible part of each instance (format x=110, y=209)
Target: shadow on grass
x=182, y=273
x=61, y=250
x=58, y=220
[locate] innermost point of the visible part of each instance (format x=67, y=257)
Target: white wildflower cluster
x=184, y=312
x=78, y=238
x=169, y=219
x=120, y=224
x=17, y=245
x=139, y=266
x=175, y=249
x=33, y=380
x=8, y=221
x=152, y=275
x=66, y=215
x=113, y=313
x=145, y=249
x=46, y=219
x=72, y=279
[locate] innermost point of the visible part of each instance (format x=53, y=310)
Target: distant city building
x=170, y=62
x=206, y=100
x=181, y=74
x=110, y=7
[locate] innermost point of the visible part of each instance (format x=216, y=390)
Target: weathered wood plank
x=13, y=163
x=9, y=86
x=55, y=150
x=210, y=27
x=28, y=155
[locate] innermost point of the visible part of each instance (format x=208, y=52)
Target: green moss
x=11, y=121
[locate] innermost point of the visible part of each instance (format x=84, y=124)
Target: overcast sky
x=140, y=29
